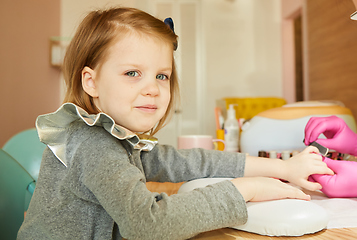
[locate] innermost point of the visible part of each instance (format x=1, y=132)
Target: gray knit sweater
x=101, y=193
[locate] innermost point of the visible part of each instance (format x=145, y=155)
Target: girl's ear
x=88, y=82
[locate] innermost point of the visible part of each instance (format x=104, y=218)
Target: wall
x=332, y=51
x=290, y=9
x=243, y=50
x=29, y=86
x=329, y=50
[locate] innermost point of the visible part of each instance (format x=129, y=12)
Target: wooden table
x=233, y=234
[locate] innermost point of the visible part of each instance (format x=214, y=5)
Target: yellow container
x=247, y=108
x=220, y=135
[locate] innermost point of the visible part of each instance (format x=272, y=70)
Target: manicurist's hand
x=338, y=135
x=301, y=166
x=343, y=183
x=256, y=189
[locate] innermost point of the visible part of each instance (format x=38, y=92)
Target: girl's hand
x=300, y=167
x=257, y=189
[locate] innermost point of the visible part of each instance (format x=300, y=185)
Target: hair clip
x=169, y=22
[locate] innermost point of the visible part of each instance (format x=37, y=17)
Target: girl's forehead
x=137, y=42
x=136, y=48
x=127, y=40
x=141, y=37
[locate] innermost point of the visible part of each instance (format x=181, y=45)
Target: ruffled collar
x=52, y=129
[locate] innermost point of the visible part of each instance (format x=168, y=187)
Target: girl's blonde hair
x=98, y=31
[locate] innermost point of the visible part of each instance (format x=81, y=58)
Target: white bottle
x=231, y=130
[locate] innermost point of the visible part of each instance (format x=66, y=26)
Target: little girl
x=121, y=88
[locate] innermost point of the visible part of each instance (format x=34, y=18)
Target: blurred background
x=291, y=49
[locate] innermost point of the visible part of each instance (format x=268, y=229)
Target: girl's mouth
x=147, y=108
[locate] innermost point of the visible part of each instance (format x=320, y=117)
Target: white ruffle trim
x=52, y=129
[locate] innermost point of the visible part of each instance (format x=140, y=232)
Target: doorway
x=299, y=76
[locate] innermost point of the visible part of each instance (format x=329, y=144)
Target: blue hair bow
x=168, y=21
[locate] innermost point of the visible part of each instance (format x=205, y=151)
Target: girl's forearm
x=264, y=167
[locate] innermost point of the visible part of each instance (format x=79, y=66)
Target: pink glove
x=343, y=183
x=339, y=136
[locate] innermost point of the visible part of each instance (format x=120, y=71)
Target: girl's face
x=133, y=84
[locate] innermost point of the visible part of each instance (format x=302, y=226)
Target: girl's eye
x=162, y=77
x=132, y=74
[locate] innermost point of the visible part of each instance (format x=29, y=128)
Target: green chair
x=16, y=190
x=27, y=149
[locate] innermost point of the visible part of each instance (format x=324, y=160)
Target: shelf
x=58, y=47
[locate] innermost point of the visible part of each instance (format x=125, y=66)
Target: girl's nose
x=151, y=88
